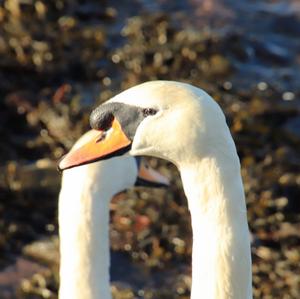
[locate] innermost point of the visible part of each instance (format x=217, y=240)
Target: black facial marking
x=107, y=120
x=101, y=119
x=128, y=116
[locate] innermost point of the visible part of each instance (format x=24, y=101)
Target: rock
x=12, y=276
x=44, y=251
x=39, y=176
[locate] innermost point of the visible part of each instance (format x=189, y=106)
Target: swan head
x=118, y=174
x=166, y=119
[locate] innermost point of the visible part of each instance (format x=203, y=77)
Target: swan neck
x=221, y=259
x=84, y=237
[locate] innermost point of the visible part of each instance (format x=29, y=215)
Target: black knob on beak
x=101, y=118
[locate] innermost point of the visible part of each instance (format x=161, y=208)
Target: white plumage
x=187, y=127
x=190, y=130
x=84, y=224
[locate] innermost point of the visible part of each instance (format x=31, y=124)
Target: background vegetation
x=58, y=59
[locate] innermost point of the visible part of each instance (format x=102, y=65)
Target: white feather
x=190, y=130
x=84, y=225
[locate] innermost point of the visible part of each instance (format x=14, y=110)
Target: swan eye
x=149, y=111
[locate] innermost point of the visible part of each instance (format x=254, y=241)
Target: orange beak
x=97, y=145
x=149, y=177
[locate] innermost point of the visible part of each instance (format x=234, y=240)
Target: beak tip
x=66, y=161
x=94, y=148
x=166, y=183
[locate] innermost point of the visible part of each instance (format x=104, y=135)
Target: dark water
x=263, y=36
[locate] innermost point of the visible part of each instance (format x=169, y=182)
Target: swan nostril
x=101, y=137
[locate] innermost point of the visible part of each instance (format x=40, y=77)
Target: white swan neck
x=84, y=236
x=221, y=260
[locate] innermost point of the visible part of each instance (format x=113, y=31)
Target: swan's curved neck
x=221, y=261
x=84, y=237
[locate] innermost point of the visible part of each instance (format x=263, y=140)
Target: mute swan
x=183, y=124
x=84, y=221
